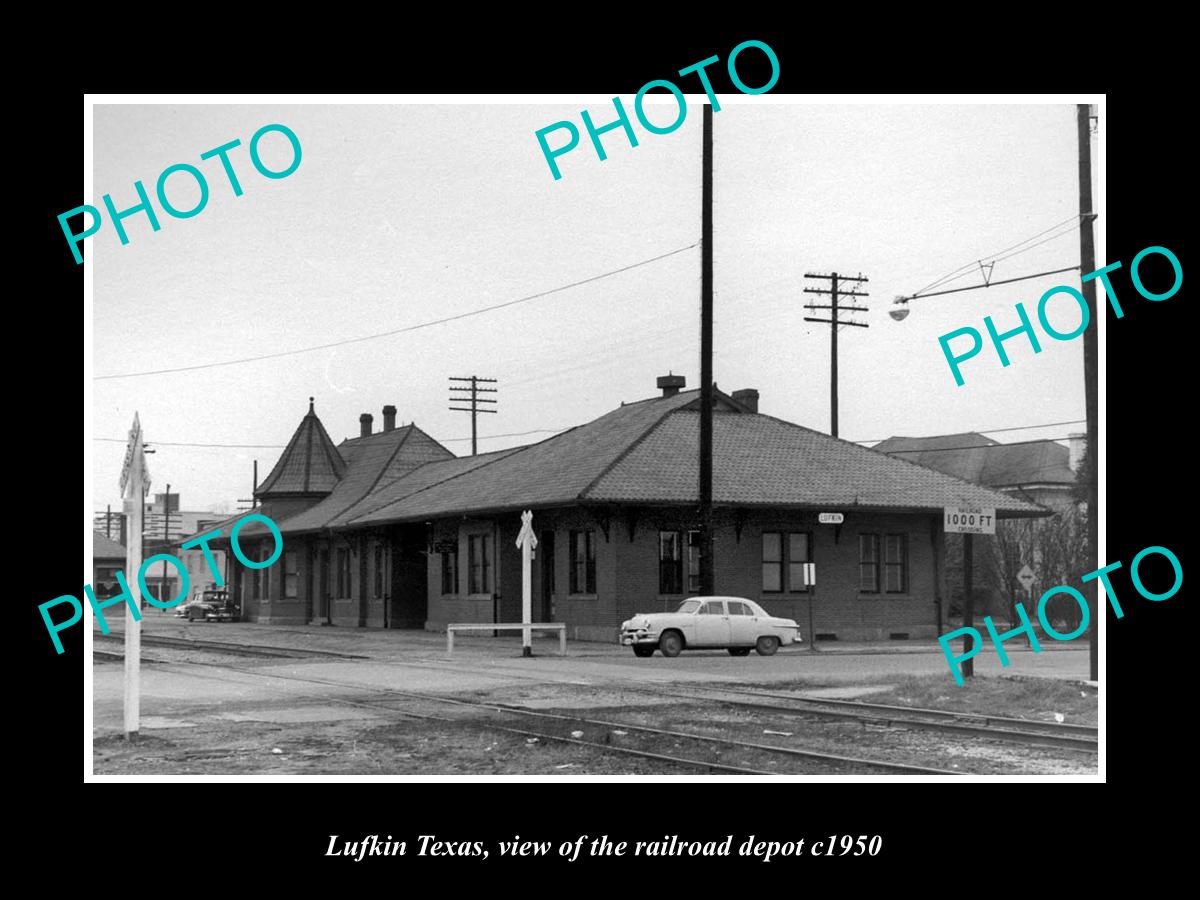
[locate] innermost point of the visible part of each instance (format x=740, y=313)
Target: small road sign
x=1026, y=576
x=970, y=519
x=831, y=518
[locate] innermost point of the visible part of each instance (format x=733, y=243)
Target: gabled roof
x=380, y=505
x=310, y=464
x=646, y=452
x=762, y=461
x=973, y=457
x=372, y=461
x=558, y=470
x=104, y=547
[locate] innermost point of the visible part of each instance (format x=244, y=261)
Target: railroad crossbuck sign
x=527, y=541
x=134, y=449
x=970, y=519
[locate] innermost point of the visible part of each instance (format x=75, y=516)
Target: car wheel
x=739, y=651
x=767, y=645
x=643, y=651
x=671, y=643
x=191, y=615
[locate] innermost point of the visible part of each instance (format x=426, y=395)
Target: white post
x=526, y=541
x=135, y=507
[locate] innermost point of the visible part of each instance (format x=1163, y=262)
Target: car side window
x=738, y=609
x=712, y=608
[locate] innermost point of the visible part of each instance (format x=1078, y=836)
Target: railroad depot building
x=391, y=529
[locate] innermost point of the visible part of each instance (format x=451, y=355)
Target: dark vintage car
x=212, y=605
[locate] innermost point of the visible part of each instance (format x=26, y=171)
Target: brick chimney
x=389, y=417
x=364, y=424
x=1076, y=444
x=671, y=384
x=748, y=397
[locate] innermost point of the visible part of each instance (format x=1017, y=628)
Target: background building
x=1042, y=472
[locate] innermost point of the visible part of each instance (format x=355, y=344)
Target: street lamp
x=901, y=311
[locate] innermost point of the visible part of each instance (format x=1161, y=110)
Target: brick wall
x=627, y=573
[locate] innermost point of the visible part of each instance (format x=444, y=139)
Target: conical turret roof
x=310, y=464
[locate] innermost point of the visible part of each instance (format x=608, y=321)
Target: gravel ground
x=364, y=733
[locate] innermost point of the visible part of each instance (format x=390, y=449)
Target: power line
x=565, y=428
x=987, y=430
x=382, y=334
x=954, y=275
x=189, y=444
x=987, y=284
x=974, y=446
x=281, y=446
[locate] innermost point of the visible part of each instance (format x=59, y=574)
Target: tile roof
x=555, y=471
x=760, y=460
x=646, y=453
x=104, y=547
x=380, y=505
x=310, y=464
x=373, y=461
x=973, y=457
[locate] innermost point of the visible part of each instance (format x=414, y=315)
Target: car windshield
x=688, y=606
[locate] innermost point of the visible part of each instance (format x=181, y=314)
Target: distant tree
x=1055, y=548
x=1082, y=475
x=220, y=507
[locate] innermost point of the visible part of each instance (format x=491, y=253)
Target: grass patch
x=1022, y=698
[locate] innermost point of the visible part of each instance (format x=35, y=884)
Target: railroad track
x=838, y=763
x=259, y=650
x=1027, y=732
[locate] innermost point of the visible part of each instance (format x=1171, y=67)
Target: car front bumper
x=638, y=636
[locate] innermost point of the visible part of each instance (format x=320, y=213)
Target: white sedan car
x=735, y=623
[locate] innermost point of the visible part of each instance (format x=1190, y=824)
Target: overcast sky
x=399, y=215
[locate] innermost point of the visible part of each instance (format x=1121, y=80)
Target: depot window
x=583, y=562
x=479, y=575
x=291, y=574
x=895, y=564
x=783, y=557
x=868, y=563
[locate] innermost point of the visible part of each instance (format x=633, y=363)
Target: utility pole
x=707, y=579
x=834, y=293
x=471, y=395
x=166, y=541
x=968, y=665
x=135, y=478
x=252, y=500
x=1087, y=262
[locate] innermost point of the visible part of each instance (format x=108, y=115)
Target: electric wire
x=958, y=273
x=394, y=331
x=556, y=430
x=281, y=446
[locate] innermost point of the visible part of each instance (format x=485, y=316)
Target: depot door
x=323, y=593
